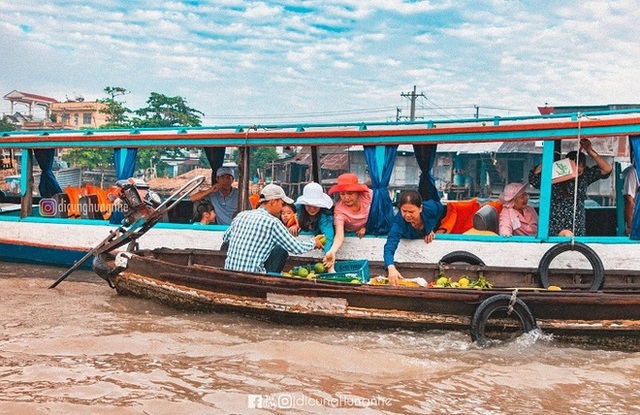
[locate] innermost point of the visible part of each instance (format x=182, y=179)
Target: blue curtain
x=426, y=157
x=48, y=183
x=215, y=155
x=634, y=145
x=381, y=213
x=125, y=163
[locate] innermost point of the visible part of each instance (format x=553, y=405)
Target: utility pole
x=477, y=110
x=413, y=96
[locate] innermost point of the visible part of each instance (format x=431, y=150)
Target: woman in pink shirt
x=517, y=217
x=351, y=212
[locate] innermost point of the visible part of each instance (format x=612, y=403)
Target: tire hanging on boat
x=461, y=256
x=590, y=254
x=500, y=302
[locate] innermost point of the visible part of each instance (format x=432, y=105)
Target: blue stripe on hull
x=42, y=255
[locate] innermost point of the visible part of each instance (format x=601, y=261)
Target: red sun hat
x=347, y=182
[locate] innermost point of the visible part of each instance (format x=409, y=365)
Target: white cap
x=225, y=170
x=272, y=192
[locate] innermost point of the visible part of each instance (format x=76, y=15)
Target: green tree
x=89, y=158
x=116, y=111
x=164, y=111
x=203, y=161
x=261, y=157
x=258, y=159
x=6, y=125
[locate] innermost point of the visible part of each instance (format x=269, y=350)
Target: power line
x=305, y=114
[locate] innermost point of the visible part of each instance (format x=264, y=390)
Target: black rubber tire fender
x=461, y=256
x=500, y=302
x=590, y=254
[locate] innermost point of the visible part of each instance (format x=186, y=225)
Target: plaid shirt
x=252, y=236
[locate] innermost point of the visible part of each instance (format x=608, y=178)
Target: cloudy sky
x=242, y=61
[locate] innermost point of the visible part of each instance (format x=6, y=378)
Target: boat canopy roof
x=522, y=128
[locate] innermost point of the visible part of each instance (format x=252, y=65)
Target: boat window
x=479, y=171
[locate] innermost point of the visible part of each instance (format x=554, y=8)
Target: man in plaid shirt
x=259, y=241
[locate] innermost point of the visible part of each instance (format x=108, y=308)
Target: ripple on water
x=83, y=349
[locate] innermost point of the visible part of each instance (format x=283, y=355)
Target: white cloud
x=292, y=56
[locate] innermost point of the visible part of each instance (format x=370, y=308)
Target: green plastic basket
x=348, y=271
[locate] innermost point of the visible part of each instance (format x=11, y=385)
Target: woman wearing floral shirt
x=562, y=194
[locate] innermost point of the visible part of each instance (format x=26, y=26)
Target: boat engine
x=134, y=199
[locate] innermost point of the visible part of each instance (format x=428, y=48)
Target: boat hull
x=61, y=242
x=609, y=319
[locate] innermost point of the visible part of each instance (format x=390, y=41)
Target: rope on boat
x=512, y=301
x=575, y=181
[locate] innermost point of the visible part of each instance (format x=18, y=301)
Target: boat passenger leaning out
x=562, y=193
x=259, y=241
x=517, y=217
x=351, y=212
x=204, y=214
x=315, y=214
x=416, y=219
x=222, y=196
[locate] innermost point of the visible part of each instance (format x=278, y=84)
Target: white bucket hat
x=313, y=195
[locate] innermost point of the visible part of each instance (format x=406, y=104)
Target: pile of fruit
x=463, y=282
x=305, y=271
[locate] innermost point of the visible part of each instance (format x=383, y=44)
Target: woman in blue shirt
x=416, y=219
x=315, y=214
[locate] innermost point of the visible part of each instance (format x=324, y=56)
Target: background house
x=79, y=113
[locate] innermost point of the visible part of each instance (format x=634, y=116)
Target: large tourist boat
x=598, y=274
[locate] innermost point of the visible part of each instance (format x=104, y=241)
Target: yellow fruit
x=303, y=272
x=463, y=282
x=311, y=275
x=442, y=281
x=554, y=288
x=323, y=240
x=455, y=285
x=319, y=268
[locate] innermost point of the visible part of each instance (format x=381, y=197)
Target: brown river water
x=82, y=349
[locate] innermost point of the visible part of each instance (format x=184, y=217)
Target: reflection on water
x=82, y=349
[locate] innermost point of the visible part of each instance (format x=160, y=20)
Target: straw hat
x=313, y=195
x=348, y=182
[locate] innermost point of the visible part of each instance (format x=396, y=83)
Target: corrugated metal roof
x=469, y=148
x=335, y=161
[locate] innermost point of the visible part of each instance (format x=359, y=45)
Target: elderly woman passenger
x=516, y=216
